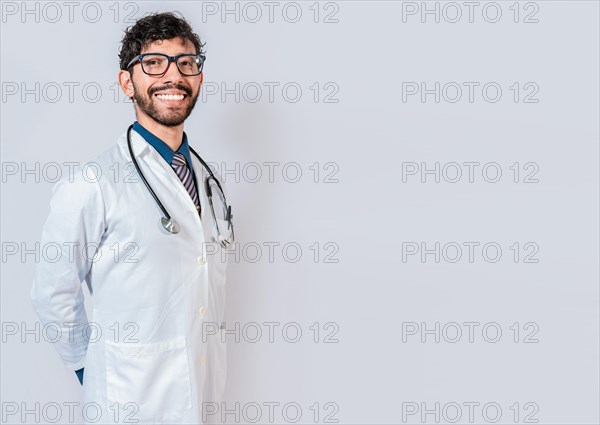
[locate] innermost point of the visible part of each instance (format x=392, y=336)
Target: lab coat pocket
x=150, y=379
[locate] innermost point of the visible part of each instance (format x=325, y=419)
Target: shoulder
x=81, y=183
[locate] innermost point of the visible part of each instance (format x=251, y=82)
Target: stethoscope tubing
x=167, y=217
x=158, y=202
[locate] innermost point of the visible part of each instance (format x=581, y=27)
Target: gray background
x=369, y=213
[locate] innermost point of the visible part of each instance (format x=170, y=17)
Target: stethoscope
x=167, y=221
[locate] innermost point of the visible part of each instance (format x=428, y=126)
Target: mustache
x=183, y=88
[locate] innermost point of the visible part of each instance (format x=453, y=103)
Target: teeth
x=170, y=96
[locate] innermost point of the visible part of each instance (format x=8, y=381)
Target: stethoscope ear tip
x=224, y=242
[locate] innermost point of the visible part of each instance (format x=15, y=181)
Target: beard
x=149, y=105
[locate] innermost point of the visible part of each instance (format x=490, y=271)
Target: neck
x=172, y=136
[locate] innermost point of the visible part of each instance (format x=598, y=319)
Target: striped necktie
x=183, y=172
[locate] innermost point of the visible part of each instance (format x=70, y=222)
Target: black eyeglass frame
x=175, y=59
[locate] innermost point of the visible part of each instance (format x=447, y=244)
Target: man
x=154, y=352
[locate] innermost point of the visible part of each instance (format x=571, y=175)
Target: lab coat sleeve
x=74, y=229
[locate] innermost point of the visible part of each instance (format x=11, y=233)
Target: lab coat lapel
x=200, y=173
x=148, y=157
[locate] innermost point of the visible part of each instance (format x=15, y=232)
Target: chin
x=170, y=122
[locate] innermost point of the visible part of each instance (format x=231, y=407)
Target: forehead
x=175, y=45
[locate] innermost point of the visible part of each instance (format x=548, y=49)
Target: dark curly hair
x=154, y=27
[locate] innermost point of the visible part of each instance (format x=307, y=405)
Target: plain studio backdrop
x=415, y=198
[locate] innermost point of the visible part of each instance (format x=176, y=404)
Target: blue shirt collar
x=162, y=148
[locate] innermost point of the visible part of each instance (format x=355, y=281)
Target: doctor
x=153, y=350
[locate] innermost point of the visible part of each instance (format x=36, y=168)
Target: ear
x=125, y=82
x=201, y=78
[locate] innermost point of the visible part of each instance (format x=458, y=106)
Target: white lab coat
x=154, y=350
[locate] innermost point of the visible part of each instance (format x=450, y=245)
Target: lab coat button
x=201, y=311
x=201, y=360
x=201, y=260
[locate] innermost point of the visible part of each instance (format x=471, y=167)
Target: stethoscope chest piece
x=170, y=225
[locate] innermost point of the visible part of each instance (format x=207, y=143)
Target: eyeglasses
x=158, y=63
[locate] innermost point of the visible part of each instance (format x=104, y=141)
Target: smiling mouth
x=170, y=96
